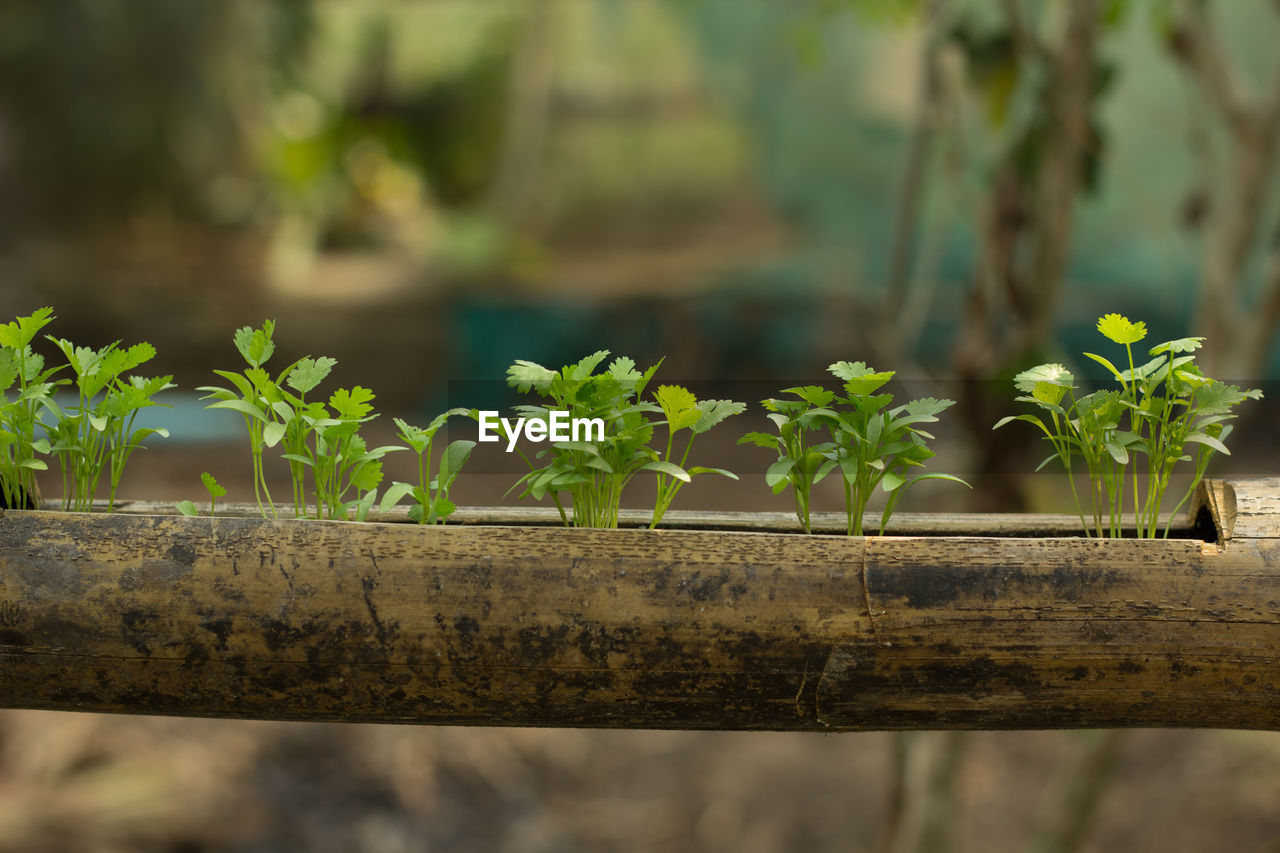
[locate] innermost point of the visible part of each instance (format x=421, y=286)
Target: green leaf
x=699, y=469
x=309, y=372
x=255, y=345
x=353, y=404
x=394, y=494
x=1049, y=394
x=526, y=375
x=892, y=481
x=1117, y=450
x=578, y=446
x=760, y=439
x=860, y=380
x=668, y=468
x=272, y=433
x=679, y=405
x=116, y=361
x=1115, y=371
x=938, y=476
x=715, y=411
x=240, y=406
x=22, y=331
x=455, y=456
x=1117, y=328
x=442, y=509
x=1052, y=374
x=1208, y=441
x=212, y=486
x=1141, y=372
x=622, y=368
x=931, y=406
x=587, y=365
x=598, y=464
x=814, y=395
x=365, y=504
x=1179, y=345
x=778, y=471
x=186, y=508
x=367, y=476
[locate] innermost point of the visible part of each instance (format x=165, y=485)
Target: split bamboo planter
x=727, y=623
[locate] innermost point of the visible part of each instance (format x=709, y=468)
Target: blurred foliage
x=336, y=125
x=111, y=107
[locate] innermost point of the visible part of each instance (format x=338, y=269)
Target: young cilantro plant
x=215, y=490
x=98, y=432
x=297, y=419
x=875, y=446
x=339, y=458
x=20, y=416
x=802, y=462
x=868, y=443
x=322, y=439
x=593, y=473
x=684, y=411
x=254, y=390
x=430, y=495
x=1165, y=410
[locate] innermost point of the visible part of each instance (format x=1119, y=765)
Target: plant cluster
x=1164, y=410
x=96, y=433
x=593, y=474
x=314, y=436
x=430, y=494
x=857, y=434
x=1128, y=438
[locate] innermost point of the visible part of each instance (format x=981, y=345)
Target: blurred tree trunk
x=528, y=113
x=915, y=177
x=923, y=805
x=1025, y=226
x=1239, y=331
x=1066, y=827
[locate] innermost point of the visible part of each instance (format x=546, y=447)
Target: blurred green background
x=750, y=189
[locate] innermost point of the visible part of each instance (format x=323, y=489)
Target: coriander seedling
x=20, y=416
x=311, y=435
x=594, y=473
x=683, y=411
x=869, y=444
x=1161, y=409
x=254, y=391
x=215, y=491
x=338, y=456
x=430, y=494
x=98, y=434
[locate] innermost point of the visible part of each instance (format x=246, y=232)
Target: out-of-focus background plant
x=428, y=190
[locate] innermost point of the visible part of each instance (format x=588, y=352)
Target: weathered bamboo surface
x=902, y=523
x=507, y=625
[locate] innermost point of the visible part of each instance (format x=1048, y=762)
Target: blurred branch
x=932, y=761
x=1060, y=178
x=1083, y=790
x=1024, y=36
x=527, y=113
x=1268, y=318
x=1195, y=44
x=1239, y=336
x=914, y=183
x=891, y=828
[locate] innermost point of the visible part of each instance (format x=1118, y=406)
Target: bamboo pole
x=700, y=629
